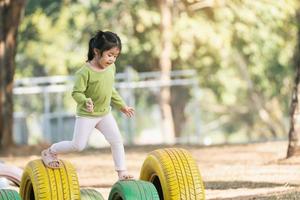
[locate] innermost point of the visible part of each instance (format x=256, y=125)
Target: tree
x=240, y=51
x=165, y=65
x=10, y=15
x=294, y=132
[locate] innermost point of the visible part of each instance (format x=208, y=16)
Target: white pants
x=83, y=128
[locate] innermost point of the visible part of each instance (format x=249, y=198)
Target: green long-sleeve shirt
x=99, y=86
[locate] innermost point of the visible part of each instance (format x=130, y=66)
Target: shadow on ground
x=287, y=196
x=293, y=194
x=224, y=185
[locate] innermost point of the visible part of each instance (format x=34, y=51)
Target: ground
x=251, y=171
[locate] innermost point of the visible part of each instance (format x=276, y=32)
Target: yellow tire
x=174, y=173
x=42, y=183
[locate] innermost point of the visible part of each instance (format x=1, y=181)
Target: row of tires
x=86, y=194
x=167, y=174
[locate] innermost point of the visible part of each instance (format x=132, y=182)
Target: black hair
x=103, y=41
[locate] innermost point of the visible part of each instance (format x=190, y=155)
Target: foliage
x=241, y=50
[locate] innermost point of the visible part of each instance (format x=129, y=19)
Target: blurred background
x=196, y=71
x=219, y=78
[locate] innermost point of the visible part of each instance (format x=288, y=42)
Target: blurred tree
x=294, y=132
x=10, y=15
x=254, y=54
x=242, y=54
x=165, y=66
x=241, y=50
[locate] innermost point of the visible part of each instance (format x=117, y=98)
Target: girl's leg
x=82, y=130
x=109, y=128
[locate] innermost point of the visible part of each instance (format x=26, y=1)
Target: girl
x=94, y=92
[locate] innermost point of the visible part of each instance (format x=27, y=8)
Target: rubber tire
x=90, y=194
x=7, y=194
x=174, y=173
x=11, y=173
x=42, y=183
x=133, y=189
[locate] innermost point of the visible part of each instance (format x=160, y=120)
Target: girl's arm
x=120, y=104
x=79, y=88
x=117, y=100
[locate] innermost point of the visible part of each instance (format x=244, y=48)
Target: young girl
x=94, y=92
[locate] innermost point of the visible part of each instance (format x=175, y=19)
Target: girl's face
x=108, y=57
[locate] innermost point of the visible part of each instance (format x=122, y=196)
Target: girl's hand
x=128, y=111
x=89, y=105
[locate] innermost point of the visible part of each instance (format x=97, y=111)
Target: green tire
x=133, y=189
x=90, y=194
x=7, y=194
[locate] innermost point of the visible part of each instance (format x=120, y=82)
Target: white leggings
x=83, y=128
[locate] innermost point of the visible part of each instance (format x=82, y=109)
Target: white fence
x=45, y=112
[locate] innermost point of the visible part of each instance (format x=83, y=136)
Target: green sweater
x=99, y=86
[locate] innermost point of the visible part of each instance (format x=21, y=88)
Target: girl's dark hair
x=103, y=41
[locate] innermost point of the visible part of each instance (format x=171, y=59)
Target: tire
x=42, y=183
x=133, y=189
x=12, y=173
x=90, y=194
x=174, y=173
x=7, y=194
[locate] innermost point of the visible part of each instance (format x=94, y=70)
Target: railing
x=57, y=123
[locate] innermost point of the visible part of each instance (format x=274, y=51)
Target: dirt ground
x=252, y=171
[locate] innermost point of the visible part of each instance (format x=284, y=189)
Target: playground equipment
x=90, y=194
x=42, y=183
x=11, y=173
x=174, y=173
x=8, y=194
x=127, y=190
x=166, y=174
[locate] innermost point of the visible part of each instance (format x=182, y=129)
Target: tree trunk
x=294, y=132
x=256, y=99
x=165, y=65
x=179, y=99
x=10, y=14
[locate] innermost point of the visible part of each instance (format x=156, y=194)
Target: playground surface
x=238, y=172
